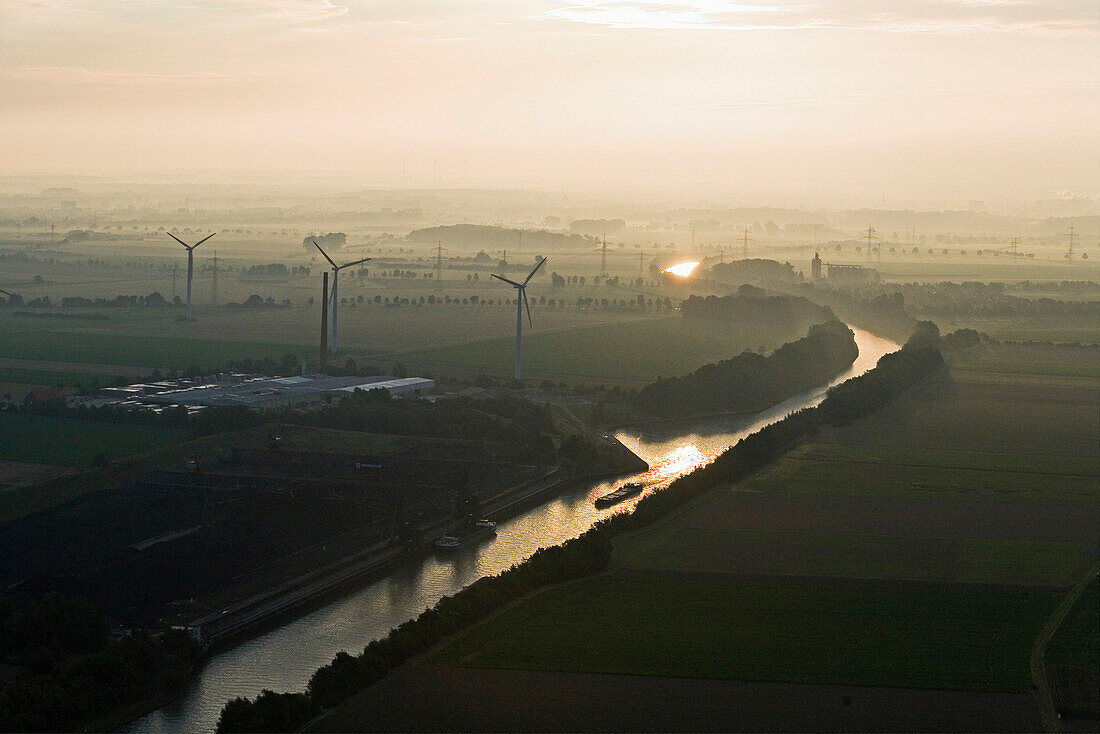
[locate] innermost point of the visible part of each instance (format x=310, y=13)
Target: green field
x=1032, y=329
x=1077, y=640
x=643, y=350
x=844, y=469
x=852, y=633
x=483, y=337
x=70, y=442
x=15, y=375
x=143, y=350
x=989, y=413
x=921, y=547
x=1063, y=360
x=957, y=560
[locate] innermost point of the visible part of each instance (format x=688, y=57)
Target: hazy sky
x=905, y=97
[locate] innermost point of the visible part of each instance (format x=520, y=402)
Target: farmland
x=640, y=350
x=168, y=452
x=802, y=631
x=72, y=442
x=23, y=376
x=1035, y=329
x=143, y=350
x=1060, y=360
x=603, y=702
x=922, y=547
x=563, y=343
x=1077, y=641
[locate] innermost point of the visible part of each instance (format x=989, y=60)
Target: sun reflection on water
x=679, y=461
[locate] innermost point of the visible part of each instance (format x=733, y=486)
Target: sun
x=682, y=269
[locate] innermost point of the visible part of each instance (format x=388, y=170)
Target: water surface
x=284, y=657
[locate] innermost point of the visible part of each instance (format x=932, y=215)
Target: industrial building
x=257, y=393
x=851, y=274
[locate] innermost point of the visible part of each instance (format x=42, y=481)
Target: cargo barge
x=624, y=492
x=480, y=529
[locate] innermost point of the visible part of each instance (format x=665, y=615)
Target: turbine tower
x=190, y=264
x=521, y=303
x=335, y=273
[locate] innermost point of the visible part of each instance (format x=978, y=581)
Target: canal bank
x=284, y=658
x=219, y=628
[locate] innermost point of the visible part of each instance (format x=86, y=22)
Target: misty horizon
x=842, y=101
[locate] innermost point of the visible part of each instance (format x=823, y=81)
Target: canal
x=284, y=657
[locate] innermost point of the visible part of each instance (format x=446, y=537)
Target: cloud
x=1048, y=17
x=297, y=11
x=865, y=99
x=107, y=78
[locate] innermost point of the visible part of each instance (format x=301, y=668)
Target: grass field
x=854, y=633
x=595, y=343
x=144, y=350
x=922, y=547
x=802, y=553
x=844, y=469
x=1033, y=329
x=71, y=442
x=75, y=443
x=636, y=350
x=1077, y=640
x=630, y=345
x=1072, y=659
x=1070, y=361
x=53, y=379
x=1040, y=415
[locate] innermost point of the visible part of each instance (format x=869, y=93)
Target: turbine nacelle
x=190, y=247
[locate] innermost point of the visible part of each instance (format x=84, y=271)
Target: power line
x=439, y=248
x=870, y=241
x=603, y=258
x=214, y=284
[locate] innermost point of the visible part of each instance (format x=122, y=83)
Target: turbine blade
x=356, y=262
x=323, y=253
x=532, y=274
x=501, y=277
x=177, y=239
x=204, y=239
x=527, y=306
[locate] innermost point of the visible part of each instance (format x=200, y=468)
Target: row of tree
x=755, y=305
x=751, y=381
x=582, y=556
x=867, y=307
x=69, y=673
x=988, y=300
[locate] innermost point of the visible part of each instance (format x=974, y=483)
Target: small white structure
x=261, y=393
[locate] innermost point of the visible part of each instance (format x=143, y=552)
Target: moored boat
x=480, y=529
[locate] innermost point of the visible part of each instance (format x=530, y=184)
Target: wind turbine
x=335, y=272
x=521, y=303
x=190, y=264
